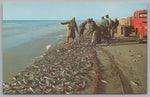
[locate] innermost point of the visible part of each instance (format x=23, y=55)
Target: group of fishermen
x=105, y=29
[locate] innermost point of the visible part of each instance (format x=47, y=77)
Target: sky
x=65, y=11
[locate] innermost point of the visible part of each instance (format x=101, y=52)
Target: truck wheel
x=140, y=37
x=136, y=31
x=125, y=31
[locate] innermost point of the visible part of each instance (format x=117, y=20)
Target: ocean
x=24, y=40
x=16, y=32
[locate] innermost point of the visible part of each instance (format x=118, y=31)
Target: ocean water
x=16, y=32
x=24, y=40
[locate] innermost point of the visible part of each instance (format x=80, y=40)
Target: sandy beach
x=78, y=68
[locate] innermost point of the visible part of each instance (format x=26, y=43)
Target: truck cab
x=140, y=24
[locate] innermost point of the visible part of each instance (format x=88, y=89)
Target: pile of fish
x=67, y=68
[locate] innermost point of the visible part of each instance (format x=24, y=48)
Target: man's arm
x=76, y=27
x=117, y=22
x=63, y=23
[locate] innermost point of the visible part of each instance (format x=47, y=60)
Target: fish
x=30, y=89
x=47, y=47
x=104, y=81
x=68, y=92
x=135, y=83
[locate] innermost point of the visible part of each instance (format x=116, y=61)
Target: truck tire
x=125, y=31
x=140, y=37
x=136, y=31
x=129, y=31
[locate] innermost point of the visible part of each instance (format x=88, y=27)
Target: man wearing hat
x=94, y=31
x=103, y=26
x=71, y=28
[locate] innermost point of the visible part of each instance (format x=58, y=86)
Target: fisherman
x=82, y=28
x=94, y=31
x=116, y=23
x=102, y=25
x=109, y=27
x=71, y=28
x=112, y=28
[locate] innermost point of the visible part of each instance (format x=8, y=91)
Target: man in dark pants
x=116, y=23
x=109, y=27
x=112, y=28
x=94, y=31
x=81, y=29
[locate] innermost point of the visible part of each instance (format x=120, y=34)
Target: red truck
x=136, y=23
x=140, y=24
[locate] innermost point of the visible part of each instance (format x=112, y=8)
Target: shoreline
x=21, y=56
x=64, y=64
x=78, y=68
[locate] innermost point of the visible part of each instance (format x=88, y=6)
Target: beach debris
x=130, y=50
x=135, y=83
x=135, y=60
x=131, y=55
x=139, y=56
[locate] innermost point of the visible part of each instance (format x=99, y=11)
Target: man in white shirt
x=109, y=25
